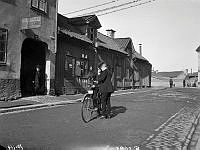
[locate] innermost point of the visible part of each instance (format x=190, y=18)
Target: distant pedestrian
x=170, y=82
x=184, y=83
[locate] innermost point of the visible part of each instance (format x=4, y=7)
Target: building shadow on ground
x=115, y=110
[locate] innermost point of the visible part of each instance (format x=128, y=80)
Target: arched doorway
x=32, y=54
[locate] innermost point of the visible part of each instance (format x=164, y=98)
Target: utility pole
x=140, y=70
x=96, y=56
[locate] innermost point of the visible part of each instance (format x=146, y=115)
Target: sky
x=169, y=30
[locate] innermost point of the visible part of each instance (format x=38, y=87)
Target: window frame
x=84, y=64
x=6, y=46
x=43, y=10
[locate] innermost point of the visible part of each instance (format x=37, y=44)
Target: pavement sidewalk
x=48, y=100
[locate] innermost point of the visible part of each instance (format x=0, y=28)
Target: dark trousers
x=171, y=84
x=106, y=106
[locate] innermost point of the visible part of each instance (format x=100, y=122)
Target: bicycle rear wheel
x=87, y=108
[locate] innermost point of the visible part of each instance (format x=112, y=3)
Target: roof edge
x=198, y=49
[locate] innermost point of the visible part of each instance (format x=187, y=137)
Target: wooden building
x=81, y=47
x=142, y=74
x=110, y=52
x=27, y=39
x=76, y=53
x=137, y=68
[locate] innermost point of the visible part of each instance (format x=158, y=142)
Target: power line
x=126, y=8
x=109, y=8
x=72, y=12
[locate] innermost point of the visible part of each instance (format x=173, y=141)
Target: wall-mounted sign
x=30, y=23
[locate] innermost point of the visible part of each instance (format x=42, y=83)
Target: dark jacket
x=105, y=84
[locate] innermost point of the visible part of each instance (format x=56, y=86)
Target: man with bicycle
x=105, y=88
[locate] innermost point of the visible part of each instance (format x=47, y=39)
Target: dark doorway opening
x=32, y=54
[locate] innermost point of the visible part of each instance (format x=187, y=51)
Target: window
x=84, y=64
x=34, y=3
x=40, y=5
x=91, y=33
x=70, y=65
x=3, y=44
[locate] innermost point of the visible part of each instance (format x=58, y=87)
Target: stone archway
x=33, y=53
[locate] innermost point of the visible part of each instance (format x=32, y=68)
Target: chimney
x=111, y=33
x=140, y=49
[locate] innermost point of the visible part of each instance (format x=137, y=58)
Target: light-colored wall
x=11, y=14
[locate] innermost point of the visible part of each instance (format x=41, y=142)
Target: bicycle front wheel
x=87, y=108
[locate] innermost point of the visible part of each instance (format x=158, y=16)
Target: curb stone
x=29, y=107
x=39, y=106
x=192, y=132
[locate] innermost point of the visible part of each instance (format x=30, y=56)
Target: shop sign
x=31, y=23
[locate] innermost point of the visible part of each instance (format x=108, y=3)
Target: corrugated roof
x=108, y=43
x=76, y=35
x=122, y=42
x=63, y=23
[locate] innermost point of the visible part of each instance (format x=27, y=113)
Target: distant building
x=172, y=74
x=162, y=78
x=191, y=79
x=27, y=39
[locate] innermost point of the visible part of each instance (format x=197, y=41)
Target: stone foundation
x=9, y=89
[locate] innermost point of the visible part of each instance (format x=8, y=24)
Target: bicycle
x=89, y=111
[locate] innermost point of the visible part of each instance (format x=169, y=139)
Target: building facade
x=142, y=74
x=110, y=52
x=81, y=47
x=27, y=39
x=137, y=68
x=75, y=58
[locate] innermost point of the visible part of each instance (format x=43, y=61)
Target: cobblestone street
x=174, y=133
x=150, y=119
